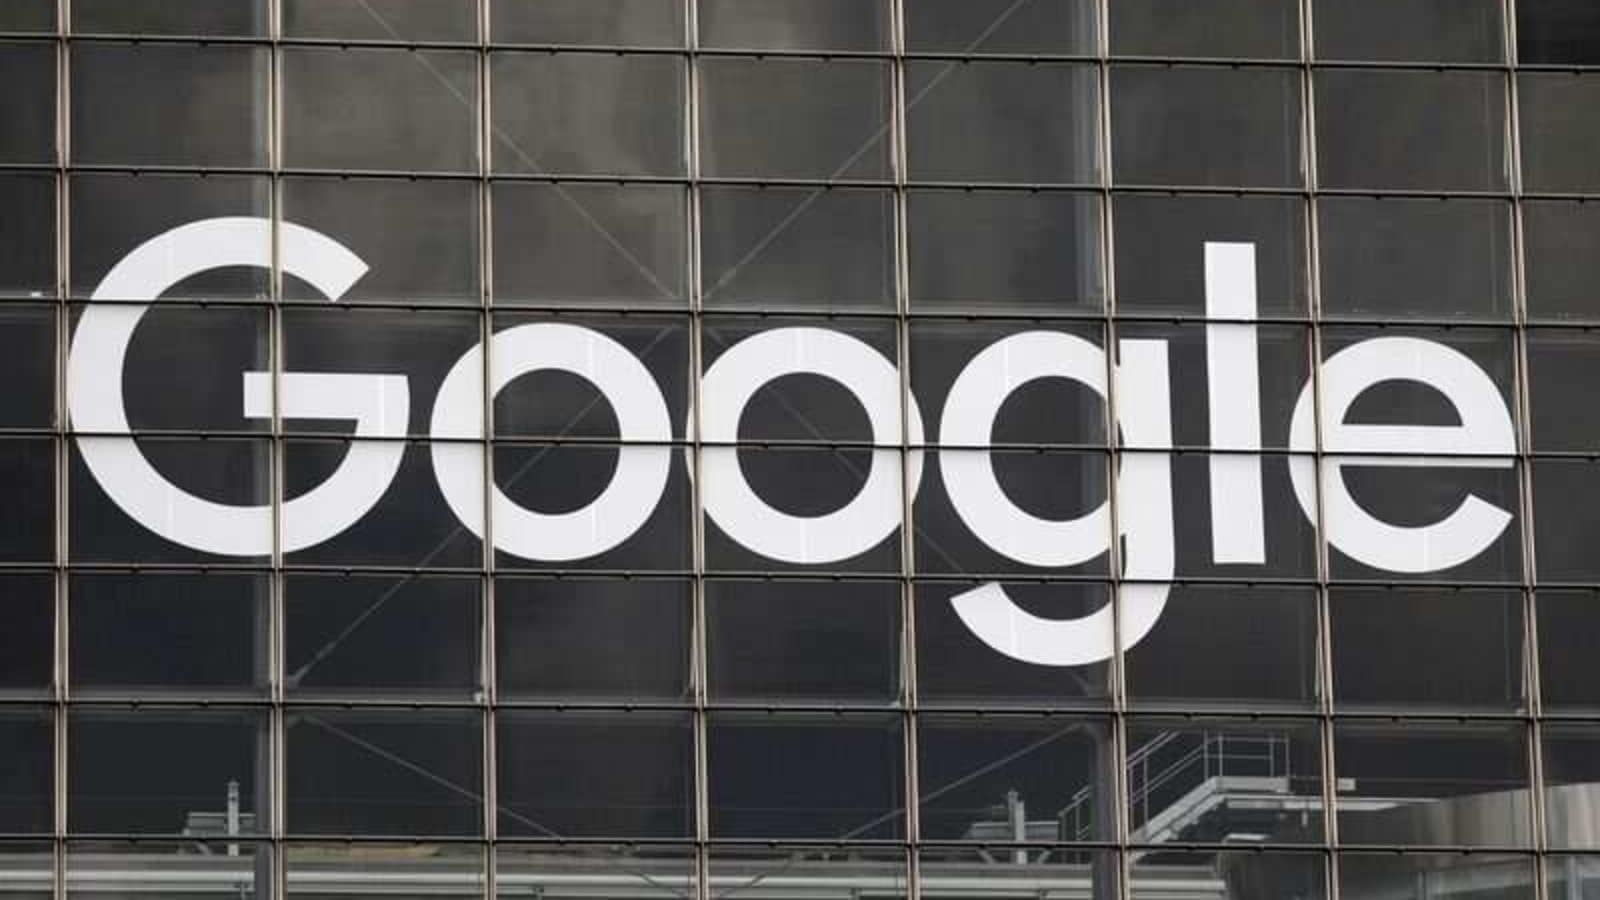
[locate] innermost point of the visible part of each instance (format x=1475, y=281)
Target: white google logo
x=379, y=405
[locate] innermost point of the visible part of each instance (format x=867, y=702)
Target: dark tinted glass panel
x=1569, y=672
x=957, y=668
x=1560, y=32
x=1257, y=29
x=588, y=113
x=1561, y=408
x=594, y=774
x=133, y=633
x=592, y=639
x=777, y=247
x=1170, y=760
x=28, y=16
x=382, y=635
x=113, y=214
x=1571, y=769
x=1403, y=257
x=842, y=776
x=27, y=345
x=28, y=101
x=1192, y=125
x=27, y=480
x=28, y=236
x=1004, y=250
x=1411, y=129
x=232, y=18
x=794, y=118
x=382, y=20
x=173, y=344
x=26, y=778
x=1566, y=516
x=1560, y=243
x=384, y=772
x=1160, y=250
x=794, y=24
x=1002, y=122
x=589, y=244
x=27, y=643
x=1559, y=143
x=213, y=96
x=1418, y=647
x=419, y=239
x=803, y=641
x=158, y=771
x=630, y=23
x=383, y=109
x=1422, y=30
x=1000, y=26
x=1061, y=767
x=1479, y=771
x=1260, y=649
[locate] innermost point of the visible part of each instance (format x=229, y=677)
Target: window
x=1202, y=125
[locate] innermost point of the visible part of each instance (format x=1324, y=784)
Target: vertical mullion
x=61, y=454
x=277, y=742
x=697, y=641
x=488, y=696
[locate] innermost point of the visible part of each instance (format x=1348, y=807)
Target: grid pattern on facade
x=417, y=702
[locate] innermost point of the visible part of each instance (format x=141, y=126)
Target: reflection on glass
x=389, y=870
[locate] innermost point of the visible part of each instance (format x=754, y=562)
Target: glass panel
x=592, y=639
x=802, y=248
x=1571, y=875
x=183, y=367
x=1562, y=414
x=1160, y=250
x=643, y=871
x=27, y=643
x=26, y=741
x=1259, y=651
x=1403, y=258
x=231, y=18
x=1423, y=30
x=1000, y=26
x=382, y=635
x=1194, y=125
x=1561, y=265
x=385, y=871
x=1254, y=29
x=113, y=214
x=1171, y=762
x=382, y=20
x=590, y=244
x=1571, y=779
x=409, y=525
x=949, y=871
x=28, y=236
x=1003, y=251
x=1411, y=130
x=399, y=110
x=1558, y=32
x=419, y=239
x=28, y=15
x=1002, y=122
x=115, y=870
x=28, y=97
x=595, y=774
x=628, y=23
x=794, y=24
x=794, y=118
x=213, y=96
x=634, y=532
x=27, y=481
x=1566, y=518
x=1430, y=874
x=27, y=366
x=141, y=633
x=1426, y=647
x=803, y=641
x=166, y=771
x=955, y=667
x=588, y=113
x=384, y=772
x=860, y=870
x=975, y=774
x=1569, y=672
x=842, y=775
x=1432, y=783
x=1558, y=142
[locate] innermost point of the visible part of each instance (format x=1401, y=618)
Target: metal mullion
x=277, y=757
x=697, y=640
x=1312, y=238
x=60, y=456
x=488, y=663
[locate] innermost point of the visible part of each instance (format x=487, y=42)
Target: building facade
x=800, y=448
